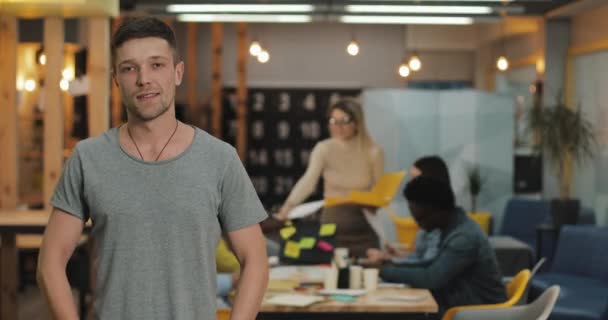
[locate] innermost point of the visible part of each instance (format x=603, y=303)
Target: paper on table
x=294, y=300
x=402, y=298
x=375, y=221
x=301, y=273
x=343, y=292
x=305, y=209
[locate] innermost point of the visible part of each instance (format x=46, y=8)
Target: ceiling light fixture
x=404, y=70
x=353, y=48
x=414, y=63
x=502, y=63
x=264, y=56
x=418, y=9
x=255, y=48
x=406, y=20
x=244, y=18
x=240, y=8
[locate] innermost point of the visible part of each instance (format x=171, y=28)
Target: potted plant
x=475, y=182
x=564, y=137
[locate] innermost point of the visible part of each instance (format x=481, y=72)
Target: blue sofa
x=521, y=216
x=580, y=268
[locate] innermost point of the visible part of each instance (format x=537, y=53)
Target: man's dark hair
x=430, y=192
x=143, y=27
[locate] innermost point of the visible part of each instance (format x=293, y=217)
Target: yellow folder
x=380, y=196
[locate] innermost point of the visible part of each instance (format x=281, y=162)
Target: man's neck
x=153, y=131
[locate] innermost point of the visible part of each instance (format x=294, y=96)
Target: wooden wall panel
x=53, y=106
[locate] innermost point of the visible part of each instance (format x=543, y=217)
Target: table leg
x=8, y=276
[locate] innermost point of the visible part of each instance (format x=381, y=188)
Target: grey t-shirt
x=157, y=224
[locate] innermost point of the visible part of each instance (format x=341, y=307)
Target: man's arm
x=60, y=239
x=456, y=256
x=249, y=247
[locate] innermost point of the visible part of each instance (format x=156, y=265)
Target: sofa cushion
x=582, y=251
x=579, y=298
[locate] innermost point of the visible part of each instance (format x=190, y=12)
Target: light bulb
x=68, y=73
x=255, y=48
x=404, y=70
x=540, y=66
x=30, y=85
x=353, y=48
x=415, y=64
x=502, y=63
x=264, y=56
x=20, y=83
x=64, y=84
x=42, y=59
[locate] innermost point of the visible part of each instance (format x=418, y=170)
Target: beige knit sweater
x=344, y=167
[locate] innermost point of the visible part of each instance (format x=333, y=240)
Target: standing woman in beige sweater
x=349, y=160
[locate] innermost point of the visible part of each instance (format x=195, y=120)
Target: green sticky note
x=286, y=233
x=307, y=243
x=328, y=229
x=292, y=249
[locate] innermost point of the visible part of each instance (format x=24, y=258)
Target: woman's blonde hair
x=353, y=109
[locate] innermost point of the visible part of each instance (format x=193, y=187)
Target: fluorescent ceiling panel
x=406, y=20
x=244, y=18
x=418, y=9
x=239, y=8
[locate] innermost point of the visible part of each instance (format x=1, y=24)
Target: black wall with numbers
x=283, y=126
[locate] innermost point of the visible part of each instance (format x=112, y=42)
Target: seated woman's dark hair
x=430, y=192
x=435, y=167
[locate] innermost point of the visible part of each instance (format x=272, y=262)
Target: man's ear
x=179, y=73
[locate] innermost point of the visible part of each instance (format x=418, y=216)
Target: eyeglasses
x=340, y=122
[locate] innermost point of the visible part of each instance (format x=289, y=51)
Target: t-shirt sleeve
x=240, y=206
x=69, y=192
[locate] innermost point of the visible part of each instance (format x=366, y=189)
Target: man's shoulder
x=97, y=143
x=208, y=142
x=466, y=234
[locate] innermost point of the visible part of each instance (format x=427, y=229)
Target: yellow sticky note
x=307, y=243
x=286, y=233
x=327, y=229
x=292, y=249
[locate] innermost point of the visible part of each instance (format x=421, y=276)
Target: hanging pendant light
x=502, y=63
x=255, y=48
x=404, y=70
x=353, y=48
x=414, y=63
x=264, y=56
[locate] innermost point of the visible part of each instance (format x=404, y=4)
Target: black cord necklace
x=161, y=151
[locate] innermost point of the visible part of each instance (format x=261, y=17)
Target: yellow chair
x=406, y=228
x=380, y=196
x=515, y=290
x=483, y=219
x=222, y=314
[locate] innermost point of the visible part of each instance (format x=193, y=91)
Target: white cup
x=330, y=282
x=355, y=277
x=341, y=257
x=370, y=279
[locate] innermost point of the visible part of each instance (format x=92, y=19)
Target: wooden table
x=373, y=305
x=13, y=223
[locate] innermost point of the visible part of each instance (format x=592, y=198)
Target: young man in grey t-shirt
x=159, y=194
